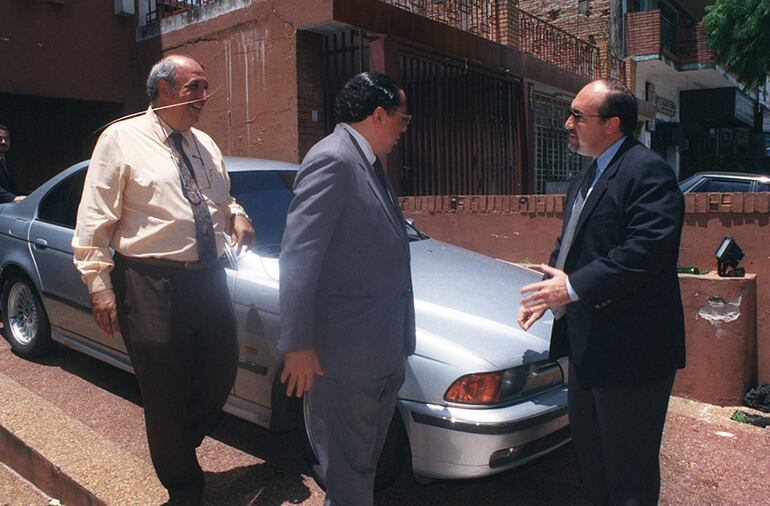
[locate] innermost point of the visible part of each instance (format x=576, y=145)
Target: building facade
x=488, y=81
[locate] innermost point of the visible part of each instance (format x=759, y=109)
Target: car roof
x=732, y=175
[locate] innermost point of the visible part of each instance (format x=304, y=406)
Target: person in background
x=8, y=191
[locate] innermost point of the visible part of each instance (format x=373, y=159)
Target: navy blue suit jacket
x=7, y=183
x=627, y=329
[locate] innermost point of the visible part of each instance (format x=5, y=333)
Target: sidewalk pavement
x=74, y=427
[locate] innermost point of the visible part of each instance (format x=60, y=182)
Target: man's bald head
x=165, y=69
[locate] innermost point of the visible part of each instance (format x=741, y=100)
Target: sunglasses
x=580, y=115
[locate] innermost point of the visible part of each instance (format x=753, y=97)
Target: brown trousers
x=179, y=329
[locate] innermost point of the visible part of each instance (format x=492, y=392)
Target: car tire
x=25, y=322
x=389, y=466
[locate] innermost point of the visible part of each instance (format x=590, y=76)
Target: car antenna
x=132, y=115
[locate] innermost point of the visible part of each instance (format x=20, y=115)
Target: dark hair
x=621, y=103
x=364, y=93
x=3, y=127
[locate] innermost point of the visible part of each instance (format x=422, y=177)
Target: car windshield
x=266, y=195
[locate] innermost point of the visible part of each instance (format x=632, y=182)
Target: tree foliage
x=739, y=33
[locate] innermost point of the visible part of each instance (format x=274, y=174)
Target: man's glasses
x=405, y=118
x=580, y=115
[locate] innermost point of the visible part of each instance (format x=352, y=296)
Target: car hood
x=467, y=305
x=466, y=308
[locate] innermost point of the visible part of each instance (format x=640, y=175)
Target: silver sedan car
x=480, y=394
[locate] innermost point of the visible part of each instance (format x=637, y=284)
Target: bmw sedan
x=480, y=394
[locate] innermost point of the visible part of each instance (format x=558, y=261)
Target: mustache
x=156, y=109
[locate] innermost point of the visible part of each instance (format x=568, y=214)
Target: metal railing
x=159, y=9
x=475, y=16
x=554, y=45
x=505, y=23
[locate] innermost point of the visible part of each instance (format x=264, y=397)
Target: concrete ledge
x=67, y=459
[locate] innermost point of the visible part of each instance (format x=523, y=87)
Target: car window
x=60, y=205
x=265, y=195
x=723, y=186
x=763, y=187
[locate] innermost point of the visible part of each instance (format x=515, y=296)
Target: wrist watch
x=242, y=214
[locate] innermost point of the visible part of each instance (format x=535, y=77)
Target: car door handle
x=41, y=243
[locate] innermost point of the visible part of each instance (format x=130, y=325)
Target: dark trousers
x=616, y=433
x=179, y=329
x=349, y=422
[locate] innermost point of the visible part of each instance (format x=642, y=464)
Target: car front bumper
x=454, y=443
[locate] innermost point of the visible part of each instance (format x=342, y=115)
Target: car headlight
x=505, y=386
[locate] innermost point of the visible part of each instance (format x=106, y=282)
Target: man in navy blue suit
x=8, y=192
x=613, y=288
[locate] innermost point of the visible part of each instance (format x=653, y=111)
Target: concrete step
x=14, y=489
x=67, y=459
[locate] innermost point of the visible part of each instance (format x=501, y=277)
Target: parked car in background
x=725, y=182
x=480, y=394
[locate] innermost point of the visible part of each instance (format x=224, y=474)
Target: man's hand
x=105, y=311
x=527, y=317
x=19, y=198
x=551, y=293
x=299, y=368
x=243, y=233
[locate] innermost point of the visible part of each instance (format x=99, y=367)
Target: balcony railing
x=475, y=16
x=503, y=22
x=554, y=45
x=159, y=9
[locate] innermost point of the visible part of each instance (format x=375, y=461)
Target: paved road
x=706, y=459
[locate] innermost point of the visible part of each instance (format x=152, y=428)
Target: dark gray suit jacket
x=627, y=328
x=345, y=278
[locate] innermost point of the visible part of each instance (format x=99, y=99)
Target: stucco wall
x=524, y=228
x=250, y=57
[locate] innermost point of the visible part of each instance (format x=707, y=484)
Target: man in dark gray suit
x=347, y=310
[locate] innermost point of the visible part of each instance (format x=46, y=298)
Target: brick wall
x=643, y=33
x=508, y=24
x=704, y=53
x=523, y=228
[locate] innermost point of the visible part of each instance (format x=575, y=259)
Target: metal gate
x=555, y=164
x=466, y=137
x=344, y=54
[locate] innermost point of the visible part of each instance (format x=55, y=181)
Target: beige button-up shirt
x=133, y=202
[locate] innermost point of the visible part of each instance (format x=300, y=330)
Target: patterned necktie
x=204, y=229
x=569, y=231
x=380, y=173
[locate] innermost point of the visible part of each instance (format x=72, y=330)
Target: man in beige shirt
x=158, y=194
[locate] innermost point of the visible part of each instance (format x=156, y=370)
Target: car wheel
x=391, y=461
x=25, y=322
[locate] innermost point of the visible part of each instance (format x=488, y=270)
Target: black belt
x=165, y=263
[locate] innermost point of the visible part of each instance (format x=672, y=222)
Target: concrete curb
x=67, y=459
x=43, y=474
